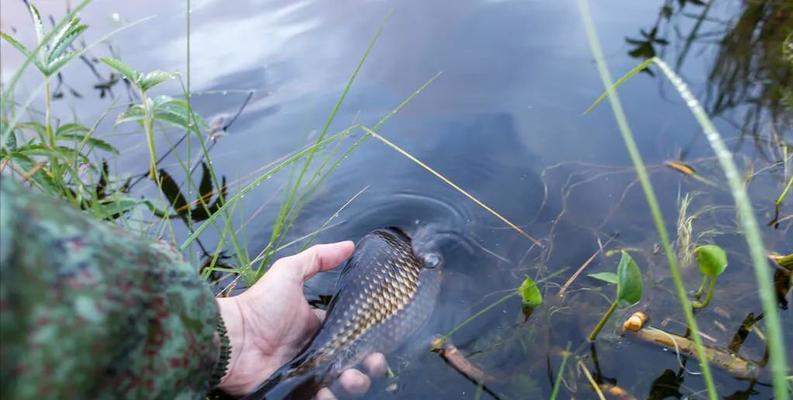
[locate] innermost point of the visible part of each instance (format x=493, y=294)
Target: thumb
x=317, y=258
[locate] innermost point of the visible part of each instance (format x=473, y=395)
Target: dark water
x=504, y=121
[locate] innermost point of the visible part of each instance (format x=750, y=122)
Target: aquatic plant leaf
x=201, y=213
x=155, y=78
x=170, y=189
x=712, y=260
x=530, y=293
x=125, y=70
x=629, y=280
x=205, y=187
x=608, y=277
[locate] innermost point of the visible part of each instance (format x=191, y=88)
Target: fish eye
x=432, y=260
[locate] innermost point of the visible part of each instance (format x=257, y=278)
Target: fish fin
x=282, y=386
x=291, y=382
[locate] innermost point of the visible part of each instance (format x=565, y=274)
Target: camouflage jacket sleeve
x=90, y=311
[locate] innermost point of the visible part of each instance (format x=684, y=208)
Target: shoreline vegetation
x=74, y=161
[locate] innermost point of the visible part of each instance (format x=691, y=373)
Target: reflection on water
x=750, y=77
x=504, y=122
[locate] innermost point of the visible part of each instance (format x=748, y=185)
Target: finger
x=319, y=313
x=317, y=258
x=375, y=364
x=325, y=394
x=354, y=382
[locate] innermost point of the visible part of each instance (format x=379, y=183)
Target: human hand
x=271, y=321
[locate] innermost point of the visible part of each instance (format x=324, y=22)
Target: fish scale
x=384, y=294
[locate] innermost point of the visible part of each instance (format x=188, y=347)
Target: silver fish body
x=385, y=293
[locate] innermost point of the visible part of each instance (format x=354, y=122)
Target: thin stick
x=591, y=380
x=452, y=184
x=582, y=268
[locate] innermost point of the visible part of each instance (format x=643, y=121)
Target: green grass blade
x=776, y=346
x=619, y=82
x=652, y=202
x=290, y=202
x=266, y=175
x=558, y=382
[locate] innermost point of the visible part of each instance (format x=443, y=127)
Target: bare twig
x=733, y=364
x=583, y=267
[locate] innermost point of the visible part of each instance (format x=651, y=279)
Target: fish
x=386, y=292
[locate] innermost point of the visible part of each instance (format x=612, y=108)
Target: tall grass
x=649, y=193
x=44, y=161
x=751, y=231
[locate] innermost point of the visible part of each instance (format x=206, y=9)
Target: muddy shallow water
x=504, y=121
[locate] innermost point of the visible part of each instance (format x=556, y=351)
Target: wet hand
x=270, y=322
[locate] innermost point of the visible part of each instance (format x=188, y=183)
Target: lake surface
x=504, y=120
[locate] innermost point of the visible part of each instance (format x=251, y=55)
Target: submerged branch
x=736, y=366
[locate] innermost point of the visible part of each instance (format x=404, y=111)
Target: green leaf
x=174, y=112
x=37, y=127
x=608, y=277
x=24, y=50
x=166, y=109
x=114, y=208
x=56, y=65
x=712, y=260
x=37, y=24
x=155, y=78
x=90, y=141
x=41, y=178
x=64, y=38
x=61, y=152
x=125, y=70
x=629, y=280
x=9, y=141
x=530, y=293
x=619, y=82
x=71, y=128
x=19, y=46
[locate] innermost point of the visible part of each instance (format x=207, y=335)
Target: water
x=504, y=121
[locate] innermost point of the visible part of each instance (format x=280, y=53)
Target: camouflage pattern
x=88, y=310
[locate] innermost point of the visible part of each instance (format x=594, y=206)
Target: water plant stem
x=708, y=296
x=649, y=193
x=603, y=320
x=701, y=286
